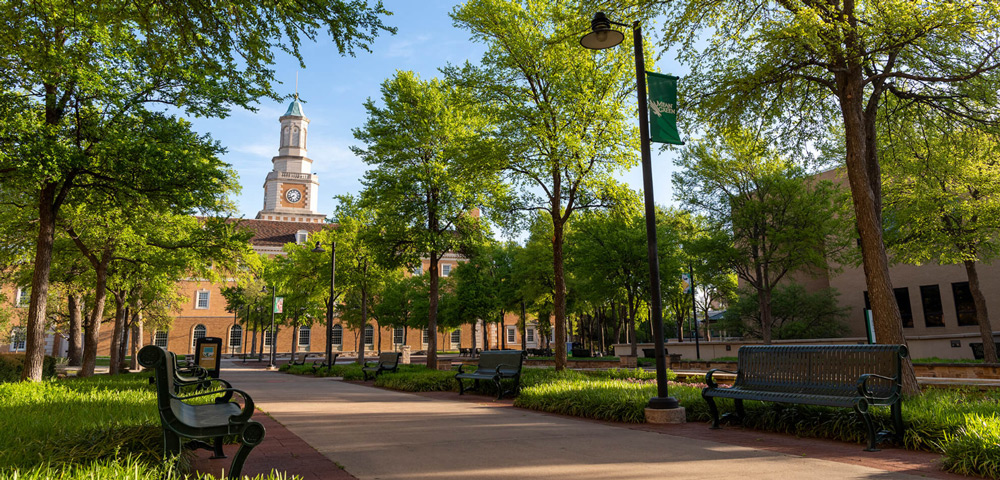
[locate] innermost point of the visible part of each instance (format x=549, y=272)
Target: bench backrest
x=388, y=359
x=163, y=363
x=509, y=361
x=820, y=369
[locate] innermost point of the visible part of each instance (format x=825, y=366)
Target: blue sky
x=333, y=89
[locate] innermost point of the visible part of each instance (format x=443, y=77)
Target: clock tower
x=290, y=189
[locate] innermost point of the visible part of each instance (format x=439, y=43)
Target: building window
x=930, y=296
x=529, y=335
x=23, y=297
x=160, y=339
x=18, y=339
x=456, y=337
x=511, y=334
x=905, y=309
x=418, y=270
x=235, y=337
x=267, y=338
x=369, y=335
x=337, y=335
x=199, y=332
x=965, y=306
x=397, y=335
x=424, y=336
x=301, y=237
x=304, y=338
x=202, y=300
x=445, y=270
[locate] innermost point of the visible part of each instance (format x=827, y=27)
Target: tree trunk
x=35, y=329
x=137, y=325
x=364, y=324
x=982, y=315
x=865, y=182
x=432, y=304
x=116, y=332
x=92, y=328
x=764, y=304
x=75, y=352
x=559, y=292
x=633, y=341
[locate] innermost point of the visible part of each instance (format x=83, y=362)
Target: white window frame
x=337, y=336
x=18, y=339
x=23, y=297
x=161, y=334
x=398, y=334
x=194, y=334
x=266, y=338
x=198, y=297
x=425, y=336
x=529, y=335
x=308, y=337
x=235, y=329
x=445, y=269
x=511, y=334
x=364, y=336
x=452, y=338
x=301, y=237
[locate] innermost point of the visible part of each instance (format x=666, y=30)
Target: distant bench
x=387, y=362
x=856, y=376
x=496, y=366
x=212, y=422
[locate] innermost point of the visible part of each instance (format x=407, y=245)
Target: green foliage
x=795, y=314
x=11, y=365
x=128, y=467
x=975, y=448
x=419, y=380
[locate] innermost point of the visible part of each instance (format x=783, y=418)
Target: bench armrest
x=708, y=377
x=863, y=382
x=502, y=365
x=248, y=406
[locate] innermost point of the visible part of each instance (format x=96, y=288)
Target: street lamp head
x=602, y=35
x=319, y=248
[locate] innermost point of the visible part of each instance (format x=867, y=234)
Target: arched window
x=160, y=338
x=456, y=338
x=295, y=136
x=304, y=338
x=235, y=337
x=369, y=335
x=17, y=339
x=285, y=133
x=337, y=335
x=199, y=332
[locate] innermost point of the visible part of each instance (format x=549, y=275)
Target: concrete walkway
x=380, y=434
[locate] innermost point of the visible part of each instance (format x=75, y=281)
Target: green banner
x=279, y=304
x=663, y=108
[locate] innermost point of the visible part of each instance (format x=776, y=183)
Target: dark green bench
x=208, y=422
x=855, y=376
x=318, y=364
x=387, y=362
x=496, y=366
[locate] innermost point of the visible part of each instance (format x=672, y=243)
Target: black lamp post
x=329, y=306
x=603, y=36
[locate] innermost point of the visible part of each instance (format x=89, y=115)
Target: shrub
x=417, y=378
x=12, y=364
x=127, y=468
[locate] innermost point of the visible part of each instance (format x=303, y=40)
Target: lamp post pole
x=329, y=306
x=694, y=313
x=602, y=37
x=270, y=365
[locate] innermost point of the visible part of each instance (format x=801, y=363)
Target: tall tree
x=434, y=164
x=767, y=218
x=563, y=111
x=943, y=198
x=81, y=68
x=810, y=65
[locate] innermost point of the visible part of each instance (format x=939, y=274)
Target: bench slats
x=496, y=366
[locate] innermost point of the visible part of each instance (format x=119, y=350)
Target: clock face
x=293, y=195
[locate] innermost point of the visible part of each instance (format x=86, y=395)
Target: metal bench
x=977, y=349
x=856, y=376
x=208, y=422
x=387, y=362
x=318, y=364
x=496, y=366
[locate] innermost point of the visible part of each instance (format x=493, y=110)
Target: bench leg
x=897, y=421
x=461, y=388
x=217, y=449
x=250, y=437
x=500, y=391
x=862, y=410
x=740, y=413
x=714, y=410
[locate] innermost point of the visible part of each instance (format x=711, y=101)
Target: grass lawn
x=101, y=427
